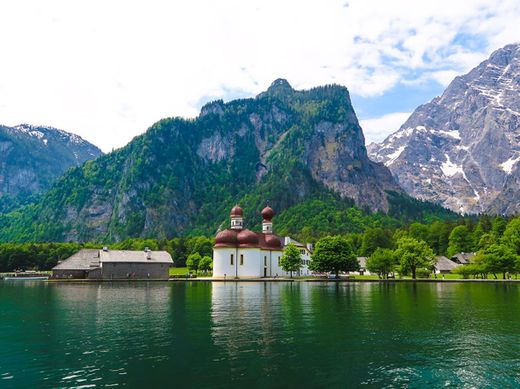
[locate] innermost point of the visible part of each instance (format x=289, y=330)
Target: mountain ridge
x=182, y=175
x=460, y=148
x=33, y=157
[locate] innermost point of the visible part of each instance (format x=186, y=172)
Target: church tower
x=267, y=223
x=237, y=218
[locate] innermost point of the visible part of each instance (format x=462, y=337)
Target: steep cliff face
x=183, y=175
x=508, y=200
x=336, y=157
x=462, y=147
x=32, y=157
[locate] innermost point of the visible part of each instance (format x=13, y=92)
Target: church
x=242, y=253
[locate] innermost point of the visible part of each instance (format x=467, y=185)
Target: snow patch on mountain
x=393, y=156
x=463, y=146
x=508, y=165
x=449, y=169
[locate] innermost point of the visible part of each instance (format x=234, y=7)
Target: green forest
x=494, y=238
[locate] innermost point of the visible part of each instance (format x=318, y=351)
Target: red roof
x=226, y=238
x=236, y=211
x=245, y=238
x=248, y=239
x=268, y=213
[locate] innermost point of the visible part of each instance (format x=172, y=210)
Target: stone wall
x=63, y=273
x=132, y=270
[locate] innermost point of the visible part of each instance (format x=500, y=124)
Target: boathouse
x=444, y=265
x=115, y=265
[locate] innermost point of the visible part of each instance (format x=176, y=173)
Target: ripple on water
x=257, y=334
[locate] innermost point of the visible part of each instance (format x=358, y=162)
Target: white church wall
x=250, y=267
x=222, y=266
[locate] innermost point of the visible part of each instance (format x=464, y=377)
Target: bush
x=423, y=273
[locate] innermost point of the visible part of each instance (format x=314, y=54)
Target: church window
x=241, y=259
x=232, y=259
x=265, y=260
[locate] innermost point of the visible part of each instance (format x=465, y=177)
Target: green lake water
x=221, y=335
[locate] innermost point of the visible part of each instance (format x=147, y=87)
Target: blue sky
x=109, y=70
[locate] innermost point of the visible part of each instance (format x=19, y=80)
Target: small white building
x=305, y=251
x=242, y=253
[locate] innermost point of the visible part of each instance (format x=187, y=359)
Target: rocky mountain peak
x=280, y=84
x=460, y=148
x=279, y=88
x=32, y=157
x=215, y=107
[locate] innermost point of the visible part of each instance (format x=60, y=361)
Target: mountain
x=183, y=175
x=508, y=200
x=461, y=149
x=32, y=157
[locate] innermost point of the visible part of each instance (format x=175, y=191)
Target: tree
x=412, y=254
x=418, y=231
x=460, y=241
x=206, y=264
x=201, y=245
x=193, y=261
x=333, y=254
x=382, y=262
x=375, y=238
x=511, y=237
x=291, y=260
x=498, y=258
x=485, y=241
x=438, y=237
x=498, y=226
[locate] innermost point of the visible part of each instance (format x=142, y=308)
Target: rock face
x=32, y=157
x=461, y=148
x=182, y=176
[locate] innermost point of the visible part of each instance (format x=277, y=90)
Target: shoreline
x=319, y=280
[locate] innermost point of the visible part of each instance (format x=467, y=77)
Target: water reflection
x=377, y=334
x=229, y=334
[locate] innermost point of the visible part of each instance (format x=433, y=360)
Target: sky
x=108, y=69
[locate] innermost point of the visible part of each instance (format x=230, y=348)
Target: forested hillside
x=301, y=150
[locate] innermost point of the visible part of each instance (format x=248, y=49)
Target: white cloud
x=377, y=129
x=109, y=69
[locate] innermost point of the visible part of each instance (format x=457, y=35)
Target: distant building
x=115, y=265
x=305, y=251
x=444, y=265
x=242, y=253
x=463, y=258
x=362, y=267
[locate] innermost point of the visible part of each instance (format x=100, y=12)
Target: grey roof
x=86, y=259
x=288, y=240
x=362, y=262
x=444, y=264
x=463, y=258
x=135, y=256
x=83, y=260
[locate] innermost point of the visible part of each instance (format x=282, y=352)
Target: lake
x=221, y=335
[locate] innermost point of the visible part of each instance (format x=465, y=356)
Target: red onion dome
x=273, y=242
x=247, y=238
x=236, y=211
x=226, y=238
x=267, y=213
